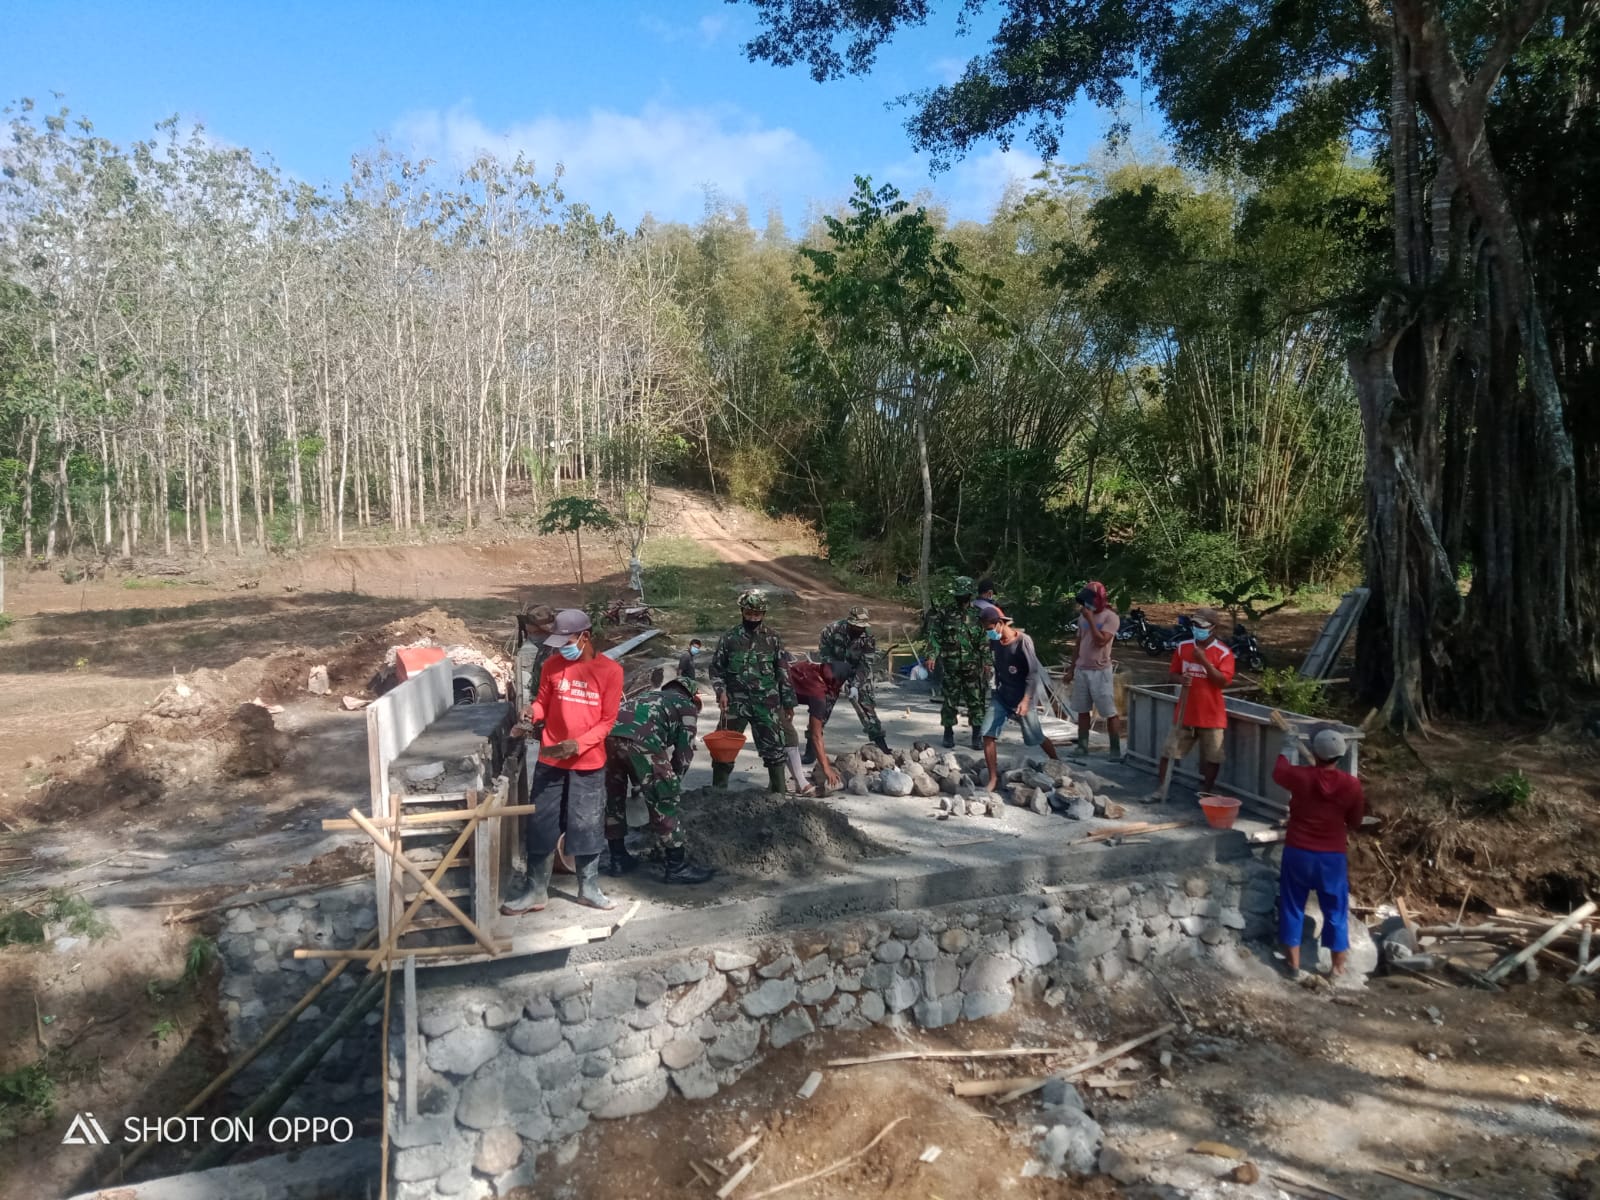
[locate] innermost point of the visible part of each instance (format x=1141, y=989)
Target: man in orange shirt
x=1206, y=667
x=579, y=692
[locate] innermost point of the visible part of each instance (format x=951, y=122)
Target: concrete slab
x=933, y=862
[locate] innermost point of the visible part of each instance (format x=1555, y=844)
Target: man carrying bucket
x=1325, y=804
x=753, y=689
x=1205, y=666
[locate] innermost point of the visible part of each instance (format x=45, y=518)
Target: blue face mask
x=572, y=652
x=1201, y=633
x=694, y=649
x=992, y=634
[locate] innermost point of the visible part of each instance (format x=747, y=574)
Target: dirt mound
x=195, y=733
x=750, y=832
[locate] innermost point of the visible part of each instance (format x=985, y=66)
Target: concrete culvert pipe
x=473, y=685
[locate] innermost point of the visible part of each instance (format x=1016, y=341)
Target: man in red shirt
x=1206, y=667
x=816, y=686
x=579, y=692
x=1325, y=804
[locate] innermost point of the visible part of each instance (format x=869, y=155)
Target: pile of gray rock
x=959, y=783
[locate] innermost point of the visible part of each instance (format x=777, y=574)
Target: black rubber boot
x=619, y=861
x=679, y=869
x=589, y=893
x=882, y=745
x=977, y=739
x=535, y=894
x=720, y=774
x=810, y=756
x=949, y=738
x=777, y=780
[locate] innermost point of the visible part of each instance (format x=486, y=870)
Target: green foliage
x=574, y=514
x=27, y=1092
x=199, y=960
x=20, y=928
x=751, y=473
x=1241, y=597
x=1286, y=688
x=664, y=584
x=6, y=621
x=77, y=914
x=163, y=1029
x=1507, y=794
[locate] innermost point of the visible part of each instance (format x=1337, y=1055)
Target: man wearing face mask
x=753, y=690
x=1020, y=690
x=848, y=647
x=575, y=708
x=688, y=661
x=1206, y=665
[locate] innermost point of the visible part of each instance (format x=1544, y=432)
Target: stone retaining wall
x=513, y=1069
x=262, y=980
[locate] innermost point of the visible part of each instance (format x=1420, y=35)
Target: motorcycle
x=1246, y=648
x=1158, y=639
x=1133, y=626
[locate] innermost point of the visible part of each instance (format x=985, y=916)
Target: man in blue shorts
x=1019, y=689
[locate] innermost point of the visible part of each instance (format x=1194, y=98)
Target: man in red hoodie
x=579, y=692
x=1325, y=804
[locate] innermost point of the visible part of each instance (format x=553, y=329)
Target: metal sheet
x=1250, y=747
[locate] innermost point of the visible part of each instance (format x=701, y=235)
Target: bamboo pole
x=428, y=886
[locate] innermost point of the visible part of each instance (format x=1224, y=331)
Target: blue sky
x=645, y=104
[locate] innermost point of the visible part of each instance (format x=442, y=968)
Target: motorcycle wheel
x=1257, y=663
x=1151, y=645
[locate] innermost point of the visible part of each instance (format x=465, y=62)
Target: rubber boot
x=881, y=744
x=679, y=869
x=949, y=738
x=810, y=756
x=1080, y=751
x=775, y=780
x=1116, y=747
x=535, y=894
x=720, y=774
x=619, y=861
x=589, y=893
x=977, y=739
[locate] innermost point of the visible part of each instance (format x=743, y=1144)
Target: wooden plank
x=412, y=821
x=1511, y=962
x=413, y=1063
x=637, y=640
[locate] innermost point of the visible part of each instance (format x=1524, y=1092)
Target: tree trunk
x=921, y=430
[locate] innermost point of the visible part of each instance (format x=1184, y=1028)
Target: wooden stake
x=416, y=819
x=994, y=1087
x=1089, y=1063
x=1506, y=965
x=383, y=1079
x=1428, y=1185
x=737, y=1178
x=428, y=886
x=741, y=1149
x=902, y=1055
x=371, y=956
x=829, y=1170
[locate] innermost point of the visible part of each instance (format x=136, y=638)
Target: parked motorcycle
x=1158, y=639
x=1246, y=648
x=1133, y=626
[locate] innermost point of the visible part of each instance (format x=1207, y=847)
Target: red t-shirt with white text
x=1206, y=707
x=578, y=700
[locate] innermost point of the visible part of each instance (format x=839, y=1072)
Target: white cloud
x=706, y=30
x=658, y=160
x=973, y=188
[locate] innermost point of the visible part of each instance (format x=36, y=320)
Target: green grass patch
x=6, y=621
x=142, y=583
x=1287, y=689
x=1506, y=794
x=199, y=960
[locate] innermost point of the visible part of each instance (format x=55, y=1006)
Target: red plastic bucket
x=1220, y=811
x=724, y=744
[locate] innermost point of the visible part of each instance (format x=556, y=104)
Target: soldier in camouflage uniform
x=847, y=647
x=958, y=642
x=650, y=747
x=753, y=688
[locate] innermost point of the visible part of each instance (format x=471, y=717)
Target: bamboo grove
x=1141, y=375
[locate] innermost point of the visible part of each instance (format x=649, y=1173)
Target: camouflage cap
x=961, y=585
x=683, y=682
x=857, y=615
x=753, y=600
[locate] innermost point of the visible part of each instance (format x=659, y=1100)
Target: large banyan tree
x=1477, y=366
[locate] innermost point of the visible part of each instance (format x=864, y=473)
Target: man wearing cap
x=574, y=710
x=847, y=646
x=1092, y=689
x=1205, y=666
x=1020, y=690
x=753, y=689
x=1325, y=804
x=650, y=748
x=958, y=646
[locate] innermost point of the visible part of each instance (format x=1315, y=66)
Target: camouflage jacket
x=659, y=720
x=957, y=637
x=750, y=667
x=838, y=644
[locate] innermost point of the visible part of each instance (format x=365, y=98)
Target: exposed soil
x=753, y=833
x=1499, y=1098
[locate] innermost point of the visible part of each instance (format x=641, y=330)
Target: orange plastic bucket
x=724, y=744
x=1220, y=811
x=565, y=864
